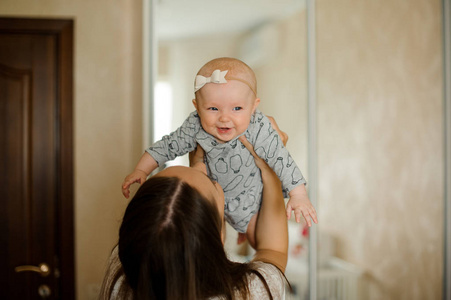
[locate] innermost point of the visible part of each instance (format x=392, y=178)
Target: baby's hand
x=138, y=176
x=300, y=204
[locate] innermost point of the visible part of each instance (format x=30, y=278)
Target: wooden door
x=36, y=165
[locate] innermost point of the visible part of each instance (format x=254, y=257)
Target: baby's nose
x=224, y=117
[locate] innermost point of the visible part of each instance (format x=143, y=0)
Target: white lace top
x=274, y=279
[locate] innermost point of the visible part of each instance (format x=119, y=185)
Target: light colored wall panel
x=380, y=141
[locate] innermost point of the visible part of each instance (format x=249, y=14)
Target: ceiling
x=190, y=18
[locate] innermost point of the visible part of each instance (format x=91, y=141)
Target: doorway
x=36, y=159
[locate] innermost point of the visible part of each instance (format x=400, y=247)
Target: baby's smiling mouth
x=223, y=129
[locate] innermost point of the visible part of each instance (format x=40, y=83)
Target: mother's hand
x=283, y=135
x=196, y=159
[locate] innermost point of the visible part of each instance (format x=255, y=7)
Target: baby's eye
x=237, y=108
x=213, y=108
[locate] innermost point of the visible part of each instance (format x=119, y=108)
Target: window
x=162, y=110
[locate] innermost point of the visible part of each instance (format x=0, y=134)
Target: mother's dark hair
x=170, y=246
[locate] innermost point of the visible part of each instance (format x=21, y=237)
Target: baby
x=226, y=107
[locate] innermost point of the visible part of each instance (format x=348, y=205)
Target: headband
x=217, y=77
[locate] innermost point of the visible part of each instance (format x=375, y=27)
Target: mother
x=171, y=241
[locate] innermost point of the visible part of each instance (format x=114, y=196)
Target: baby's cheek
x=209, y=130
x=205, y=125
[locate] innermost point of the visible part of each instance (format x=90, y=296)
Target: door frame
x=446, y=7
x=63, y=30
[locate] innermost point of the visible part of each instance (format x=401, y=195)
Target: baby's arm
x=298, y=196
x=288, y=172
x=177, y=143
x=143, y=169
x=300, y=204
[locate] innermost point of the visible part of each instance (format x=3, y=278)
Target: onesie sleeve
x=178, y=142
x=268, y=145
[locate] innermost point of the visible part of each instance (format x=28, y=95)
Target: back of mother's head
x=170, y=241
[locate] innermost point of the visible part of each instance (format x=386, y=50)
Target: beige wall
x=380, y=141
x=107, y=102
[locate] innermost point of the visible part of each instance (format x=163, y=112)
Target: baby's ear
x=195, y=103
x=256, y=103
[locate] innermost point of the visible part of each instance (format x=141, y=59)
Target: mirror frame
x=446, y=6
x=312, y=145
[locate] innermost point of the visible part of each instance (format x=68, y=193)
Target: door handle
x=42, y=269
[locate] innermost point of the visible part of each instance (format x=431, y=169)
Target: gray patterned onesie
x=232, y=165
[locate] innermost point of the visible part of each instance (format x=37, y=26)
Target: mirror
x=379, y=90
x=271, y=38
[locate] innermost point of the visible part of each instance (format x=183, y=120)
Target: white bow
x=216, y=77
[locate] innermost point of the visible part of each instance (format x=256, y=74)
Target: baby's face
x=225, y=110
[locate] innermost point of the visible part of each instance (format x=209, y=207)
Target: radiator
x=338, y=285
x=338, y=281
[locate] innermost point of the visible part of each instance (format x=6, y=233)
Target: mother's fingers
x=261, y=164
x=196, y=159
x=196, y=156
x=248, y=145
x=282, y=134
